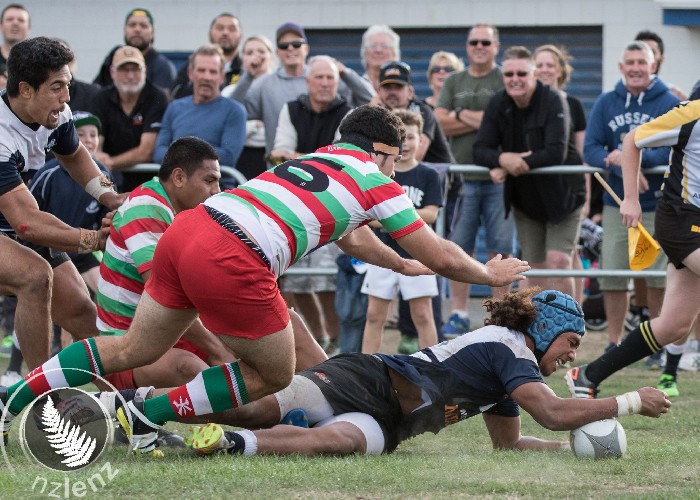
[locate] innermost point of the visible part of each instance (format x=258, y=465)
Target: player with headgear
x=359, y=403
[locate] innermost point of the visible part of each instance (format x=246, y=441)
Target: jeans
x=351, y=307
x=482, y=202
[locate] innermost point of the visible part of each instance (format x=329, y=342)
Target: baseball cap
x=395, y=72
x=287, y=27
x=139, y=12
x=81, y=118
x=127, y=54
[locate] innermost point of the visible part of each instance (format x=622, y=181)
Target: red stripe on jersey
x=288, y=233
x=383, y=193
x=115, y=321
x=114, y=278
x=141, y=191
x=408, y=229
x=36, y=380
x=143, y=225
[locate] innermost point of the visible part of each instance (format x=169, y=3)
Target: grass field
x=662, y=461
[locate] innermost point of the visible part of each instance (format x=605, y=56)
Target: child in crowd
x=421, y=183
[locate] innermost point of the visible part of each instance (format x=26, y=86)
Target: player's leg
x=308, y=352
x=175, y=367
x=71, y=306
x=336, y=438
x=153, y=331
x=24, y=274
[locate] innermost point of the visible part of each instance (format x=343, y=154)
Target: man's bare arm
x=450, y=261
x=364, y=245
x=31, y=224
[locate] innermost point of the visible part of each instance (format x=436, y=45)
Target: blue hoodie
x=613, y=115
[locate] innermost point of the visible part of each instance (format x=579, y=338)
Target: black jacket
x=543, y=128
x=315, y=130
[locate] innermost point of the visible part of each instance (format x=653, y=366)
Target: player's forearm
x=364, y=245
x=44, y=229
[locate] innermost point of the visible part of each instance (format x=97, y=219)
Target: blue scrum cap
x=557, y=313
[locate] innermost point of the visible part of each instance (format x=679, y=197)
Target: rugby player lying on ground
x=359, y=403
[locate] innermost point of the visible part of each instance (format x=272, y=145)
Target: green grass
x=662, y=461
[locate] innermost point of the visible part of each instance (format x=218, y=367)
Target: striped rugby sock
x=75, y=365
x=215, y=389
x=639, y=344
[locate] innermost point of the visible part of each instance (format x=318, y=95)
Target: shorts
x=481, y=203
x=677, y=230
x=84, y=261
x=539, y=237
x=200, y=264
x=304, y=393
x=385, y=284
x=54, y=257
x=122, y=380
x=615, y=256
x=359, y=383
x=323, y=258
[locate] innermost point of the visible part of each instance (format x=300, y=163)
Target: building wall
x=183, y=25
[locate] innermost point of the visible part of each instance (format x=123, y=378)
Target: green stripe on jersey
x=341, y=215
x=399, y=220
x=286, y=215
x=147, y=211
x=121, y=267
x=115, y=307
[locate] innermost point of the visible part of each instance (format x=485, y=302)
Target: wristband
x=89, y=241
x=458, y=110
x=97, y=186
x=629, y=403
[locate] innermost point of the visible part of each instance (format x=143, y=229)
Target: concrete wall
x=93, y=27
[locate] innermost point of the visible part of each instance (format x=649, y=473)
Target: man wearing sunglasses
x=265, y=97
x=527, y=126
x=459, y=111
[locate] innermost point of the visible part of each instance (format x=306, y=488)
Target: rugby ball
x=600, y=439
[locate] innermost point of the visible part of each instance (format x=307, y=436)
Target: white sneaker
x=10, y=378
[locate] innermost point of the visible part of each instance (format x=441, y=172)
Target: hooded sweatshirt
x=616, y=113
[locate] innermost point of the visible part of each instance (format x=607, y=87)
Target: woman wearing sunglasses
x=442, y=64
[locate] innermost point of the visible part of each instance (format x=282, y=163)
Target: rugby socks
x=639, y=344
x=215, y=389
x=673, y=358
x=74, y=366
x=243, y=442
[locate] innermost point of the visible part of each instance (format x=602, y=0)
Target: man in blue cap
x=357, y=403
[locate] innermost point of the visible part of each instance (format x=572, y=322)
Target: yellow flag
x=643, y=249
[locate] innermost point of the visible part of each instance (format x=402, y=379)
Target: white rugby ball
x=600, y=439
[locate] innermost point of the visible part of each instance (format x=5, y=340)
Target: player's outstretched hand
x=505, y=271
x=654, y=402
x=412, y=267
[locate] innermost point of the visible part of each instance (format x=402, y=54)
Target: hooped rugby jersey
x=315, y=199
x=23, y=147
x=464, y=377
